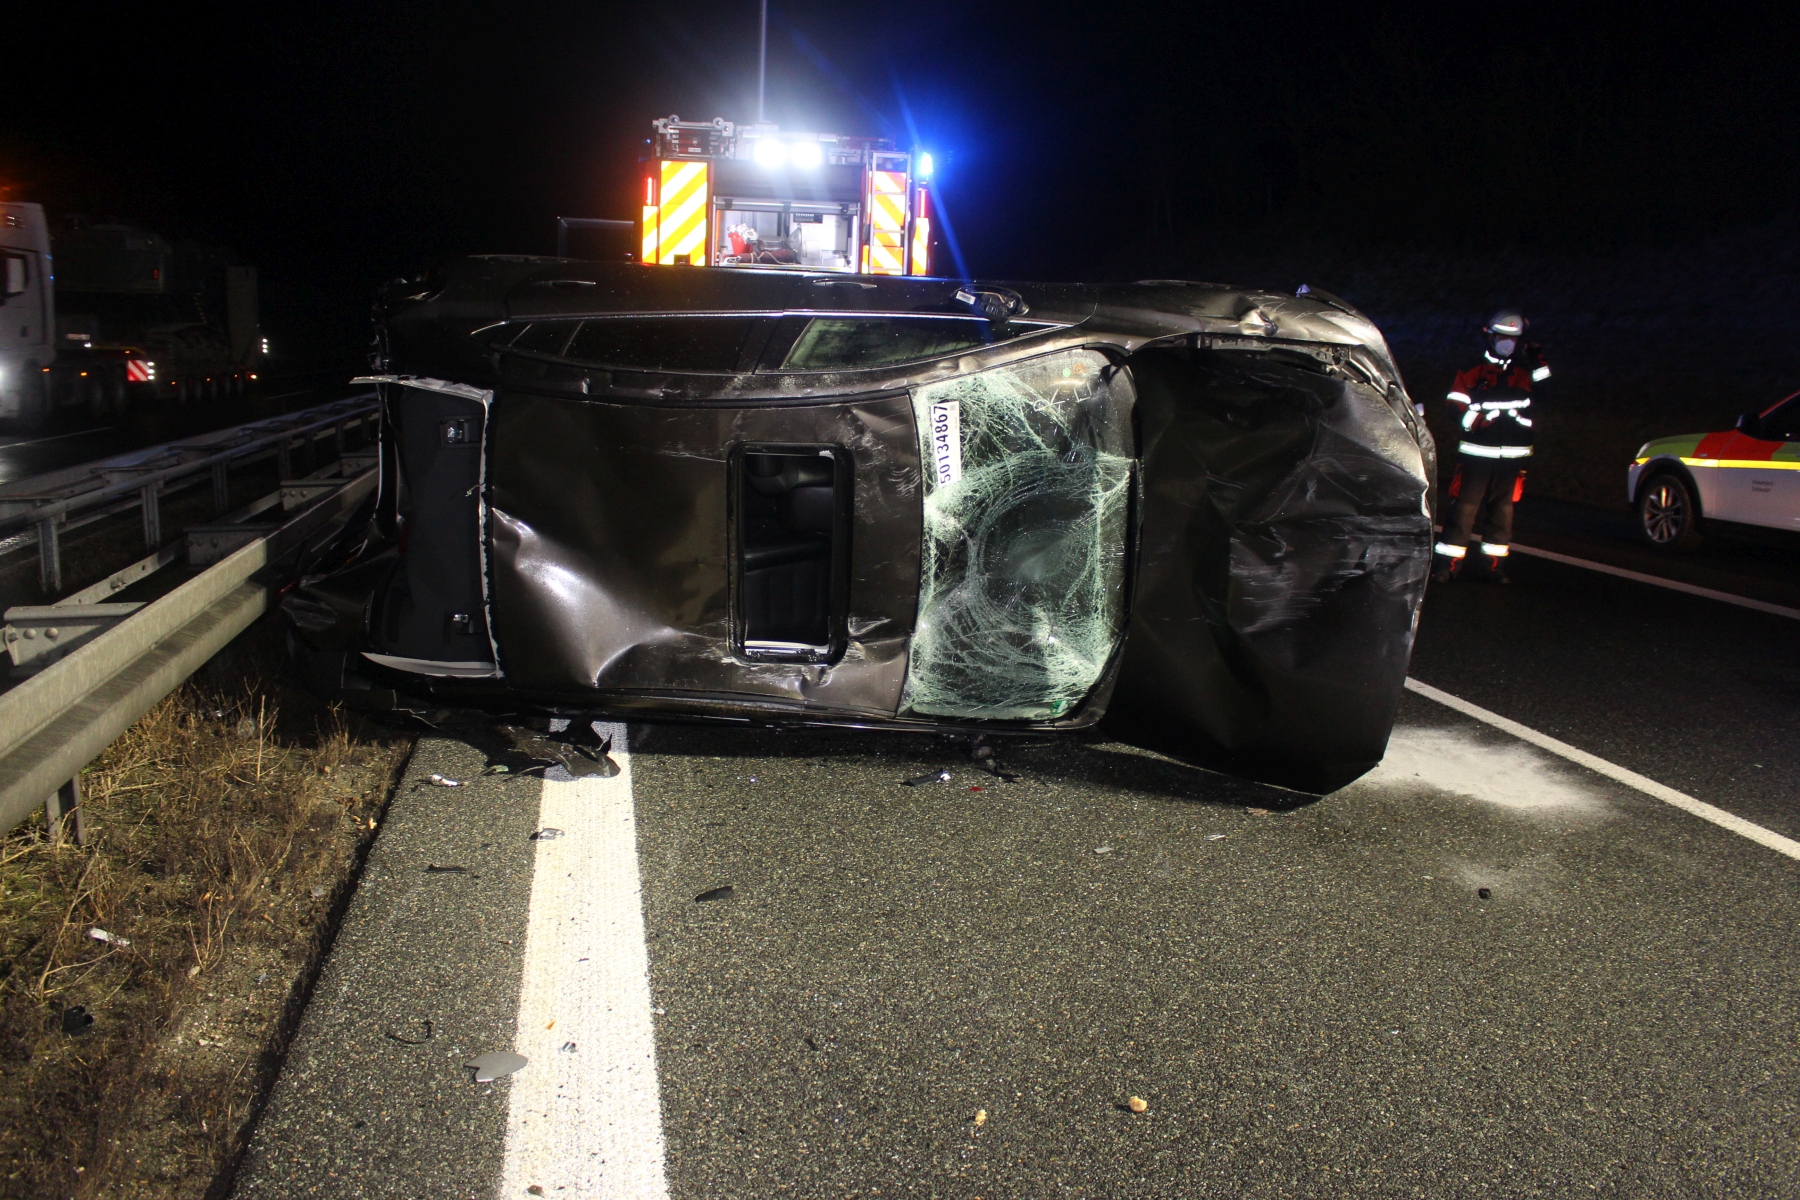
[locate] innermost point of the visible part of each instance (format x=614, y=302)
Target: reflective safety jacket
x=1492, y=400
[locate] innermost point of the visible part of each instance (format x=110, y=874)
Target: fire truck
x=719, y=194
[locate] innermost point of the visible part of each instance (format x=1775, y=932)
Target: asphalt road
x=1313, y=998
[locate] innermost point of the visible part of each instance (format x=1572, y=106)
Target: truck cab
x=27, y=314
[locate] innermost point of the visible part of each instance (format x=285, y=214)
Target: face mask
x=1503, y=347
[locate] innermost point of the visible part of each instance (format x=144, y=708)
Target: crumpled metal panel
x=1021, y=598
x=1285, y=542
x=611, y=558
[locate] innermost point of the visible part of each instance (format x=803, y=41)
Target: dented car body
x=787, y=498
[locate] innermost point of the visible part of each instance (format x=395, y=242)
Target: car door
x=1772, y=484
x=1748, y=475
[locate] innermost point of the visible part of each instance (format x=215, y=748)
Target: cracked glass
x=1027, y=474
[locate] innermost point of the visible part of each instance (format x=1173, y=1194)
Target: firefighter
x=1491, y=402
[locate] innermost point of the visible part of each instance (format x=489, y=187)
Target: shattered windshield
x=1027, y=496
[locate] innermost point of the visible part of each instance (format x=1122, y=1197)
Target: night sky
x=336, y=145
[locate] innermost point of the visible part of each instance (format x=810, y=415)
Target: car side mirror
x=1748, y=423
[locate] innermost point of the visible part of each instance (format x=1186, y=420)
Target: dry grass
x=223, y=831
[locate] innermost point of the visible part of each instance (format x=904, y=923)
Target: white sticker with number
x=946, y=441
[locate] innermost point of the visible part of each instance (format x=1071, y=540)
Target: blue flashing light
x=924, y=166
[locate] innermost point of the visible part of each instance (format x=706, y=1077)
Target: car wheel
x=1667, y=516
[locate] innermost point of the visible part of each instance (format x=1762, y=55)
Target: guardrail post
x=152, y=502
x=337, y=440
x=50, y=556
x=221, y=475
x=283, y=462
x=62, y=812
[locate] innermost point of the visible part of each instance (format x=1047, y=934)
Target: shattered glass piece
x=992, y=766
x=495, y=1064
x=1021, y=594
x=548, y=833
x=929, y=777
x=436, y=780
x=111, y=939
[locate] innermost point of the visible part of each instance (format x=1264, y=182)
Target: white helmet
x=1508, y=322
x=1504, y=329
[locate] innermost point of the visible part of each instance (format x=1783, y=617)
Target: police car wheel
x=1667, y=516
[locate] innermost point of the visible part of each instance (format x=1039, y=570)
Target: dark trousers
x=1492, y=480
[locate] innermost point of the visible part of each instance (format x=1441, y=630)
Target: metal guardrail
x=56, y=722
x=43, y=509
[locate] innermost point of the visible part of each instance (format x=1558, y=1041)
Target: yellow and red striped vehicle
x=717, y=194
x=1749, y=475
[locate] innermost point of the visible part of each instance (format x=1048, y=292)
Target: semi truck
x=105, y=317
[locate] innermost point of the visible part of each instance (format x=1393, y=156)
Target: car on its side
x=791, y=498
x=1749, y=475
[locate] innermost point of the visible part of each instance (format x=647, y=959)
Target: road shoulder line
x=1593, y=762
x=1674, y=585
x=585, y=1114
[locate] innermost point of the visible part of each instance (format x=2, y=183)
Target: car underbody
x=1199, y=513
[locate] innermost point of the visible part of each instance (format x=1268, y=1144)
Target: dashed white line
x=586, y=1115
x=1673, y=585
x=1593, y=762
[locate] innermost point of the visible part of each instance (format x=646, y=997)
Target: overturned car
x=609, y=490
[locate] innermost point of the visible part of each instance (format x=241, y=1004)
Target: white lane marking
x=1593, y=762
x=1658, y=581
x=55, y=437
x=586, y=1122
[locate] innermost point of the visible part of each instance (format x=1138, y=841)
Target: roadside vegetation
x=150, y=979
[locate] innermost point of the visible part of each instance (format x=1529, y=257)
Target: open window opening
x=792, y=528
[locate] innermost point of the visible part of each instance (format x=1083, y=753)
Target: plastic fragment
x=193, y=970
x=318, y=891
x=1215, y=837
x=111, y=939
x=724, y=892
x=435, y=869
x=546, y=834
x=495, y=1064
x=76, y=1020
x=424, y=1031
x=1261, y=812
x=1484, y=893
x=566, y=1048
x=980, y=1117
x=497, y=769
x=1103, y=849
x=1138, y=1104
x=436, y=780
x=943, y=776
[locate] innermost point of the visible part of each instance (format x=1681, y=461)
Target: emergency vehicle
x=718, y=194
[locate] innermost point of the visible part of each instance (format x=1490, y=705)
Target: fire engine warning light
x=924, y=166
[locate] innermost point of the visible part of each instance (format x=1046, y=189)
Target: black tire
x=34, y=405
x=1668, y=515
